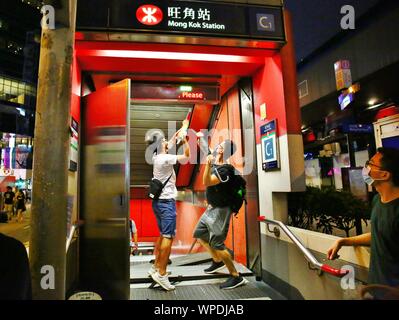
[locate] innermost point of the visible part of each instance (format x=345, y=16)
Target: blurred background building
x=19, y=56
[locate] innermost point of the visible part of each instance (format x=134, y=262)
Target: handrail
x=308, y=255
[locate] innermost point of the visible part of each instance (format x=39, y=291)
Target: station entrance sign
x=175, y=17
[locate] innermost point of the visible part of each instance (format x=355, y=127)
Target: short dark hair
x=390, y=162
x=9, y=187
x=154, y=141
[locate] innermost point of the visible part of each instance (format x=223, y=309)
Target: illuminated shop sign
x=185, y=17
x=345, y=99
x=357, y=128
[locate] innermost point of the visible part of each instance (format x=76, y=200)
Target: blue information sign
x=269, y=140
x=358, y=128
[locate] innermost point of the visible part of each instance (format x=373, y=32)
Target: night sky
x=317, y=21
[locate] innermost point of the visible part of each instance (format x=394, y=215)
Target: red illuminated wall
x=187, y=218
x=276, y=85
x=141, y=213
x=199, y=120
x=268, y=88
x=76, y=90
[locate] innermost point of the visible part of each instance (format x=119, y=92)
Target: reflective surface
x=104, y=244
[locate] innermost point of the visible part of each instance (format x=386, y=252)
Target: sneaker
x=152, y=270
x=215, y=267
x=233, y=282
x=163, y=281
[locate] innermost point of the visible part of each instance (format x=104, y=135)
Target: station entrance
x=115, y=168
x=128, y=87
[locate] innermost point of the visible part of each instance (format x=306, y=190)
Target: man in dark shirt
x=382, y=172
x=9, y=202
x=15, y=279
x=213, y=226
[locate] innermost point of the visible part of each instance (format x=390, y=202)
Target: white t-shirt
x=163, y=168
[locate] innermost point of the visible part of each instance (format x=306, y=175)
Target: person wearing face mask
x=381, y=172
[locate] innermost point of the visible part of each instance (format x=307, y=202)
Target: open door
x=104, y=241
x=252, y=207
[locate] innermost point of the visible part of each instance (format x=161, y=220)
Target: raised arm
x=186, y=155
x=209, y=179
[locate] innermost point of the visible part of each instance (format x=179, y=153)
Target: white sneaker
x=163, y=281
x=152, y=270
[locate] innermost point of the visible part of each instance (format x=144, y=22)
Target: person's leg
x=168, y=223
x=204, y=233
x=225, y=256
x=157, y=252
x=7, y=208
x=167, y=211
x=211, y=251
x=219, y=232
x=165, y=249
x=156, y=208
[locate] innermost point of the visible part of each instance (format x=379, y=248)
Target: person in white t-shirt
x=165, y=206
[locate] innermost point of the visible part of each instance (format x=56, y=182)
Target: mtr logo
x=149, y=15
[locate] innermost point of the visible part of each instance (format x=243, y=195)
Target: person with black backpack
x=225, y=194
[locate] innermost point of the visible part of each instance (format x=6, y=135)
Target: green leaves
x=326, y=209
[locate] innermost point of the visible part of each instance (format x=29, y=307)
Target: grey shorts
x=213, y=227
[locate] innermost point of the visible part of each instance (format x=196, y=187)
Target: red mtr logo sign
x=149, y=15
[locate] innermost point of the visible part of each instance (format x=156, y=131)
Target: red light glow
x=136, y=54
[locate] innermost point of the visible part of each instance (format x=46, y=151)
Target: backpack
x=238, y=188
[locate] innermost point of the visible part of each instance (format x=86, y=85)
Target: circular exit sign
x=149, y=15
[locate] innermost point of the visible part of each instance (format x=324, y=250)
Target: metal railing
x=308, y=255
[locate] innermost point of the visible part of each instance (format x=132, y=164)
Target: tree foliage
x=326, y=209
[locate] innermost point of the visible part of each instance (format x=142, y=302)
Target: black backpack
x=238, y=188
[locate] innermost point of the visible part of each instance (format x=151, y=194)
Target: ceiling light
x=186, y=88
x=137, y=54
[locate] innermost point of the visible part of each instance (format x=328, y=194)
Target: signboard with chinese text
x=188, y=17
x=270, y=148
x=343, y=76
